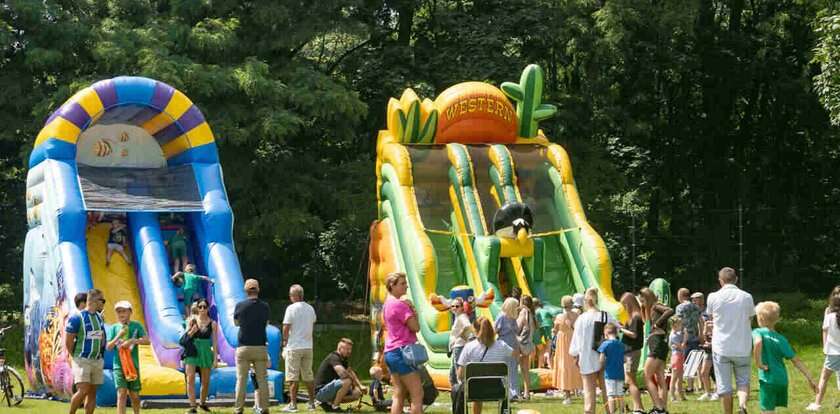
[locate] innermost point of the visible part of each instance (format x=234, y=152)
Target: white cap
x=123, y=304
x=697, y=295
x=577, y=300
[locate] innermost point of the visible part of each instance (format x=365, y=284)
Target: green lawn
x=800, y=397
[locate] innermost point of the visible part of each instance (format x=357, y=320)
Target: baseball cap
x=252, y=285
x=697, y=295
x=577, y=300
x=123, y=304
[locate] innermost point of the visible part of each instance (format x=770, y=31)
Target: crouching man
x=335, y=381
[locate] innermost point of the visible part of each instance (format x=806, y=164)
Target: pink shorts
x=677, y=360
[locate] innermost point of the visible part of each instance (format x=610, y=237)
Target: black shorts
x=658, y=347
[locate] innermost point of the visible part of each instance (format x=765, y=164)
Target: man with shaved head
x=298, y=323
x=731, y=309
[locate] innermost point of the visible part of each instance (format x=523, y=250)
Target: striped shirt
x=90, y=334
x=473, y=351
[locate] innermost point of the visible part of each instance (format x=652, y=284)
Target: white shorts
x=117, y=247
x=832, y=363
x=299, y=365
x=88, y=371
x=615, y=388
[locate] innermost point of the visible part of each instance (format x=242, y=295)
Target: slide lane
x=118, y=282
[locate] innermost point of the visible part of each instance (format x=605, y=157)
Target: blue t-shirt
x=613, y=350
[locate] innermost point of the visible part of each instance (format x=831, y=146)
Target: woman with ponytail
x=831, y=346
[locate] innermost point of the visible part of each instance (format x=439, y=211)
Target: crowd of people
x=588, y=351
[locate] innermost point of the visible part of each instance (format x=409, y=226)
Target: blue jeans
x=453, y=370
x=326, y=394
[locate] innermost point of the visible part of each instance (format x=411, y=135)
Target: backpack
x=430, y=393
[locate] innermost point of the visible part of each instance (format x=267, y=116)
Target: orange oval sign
x=475, y=112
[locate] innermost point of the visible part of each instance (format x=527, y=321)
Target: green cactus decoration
x=528, y=95
x=413, y=129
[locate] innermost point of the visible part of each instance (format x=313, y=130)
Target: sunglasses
x=457, y=306
x=202, y=307
x=102, y=301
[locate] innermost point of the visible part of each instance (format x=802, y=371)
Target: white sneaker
x=813, y=407
x=567, y=401
x=290, y=409
x=714, y=397
x=704, y=397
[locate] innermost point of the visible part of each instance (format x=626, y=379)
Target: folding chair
x=486, y=381
x=691, y=367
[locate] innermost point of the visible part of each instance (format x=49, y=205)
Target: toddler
x=677, y=340
x=612, y=363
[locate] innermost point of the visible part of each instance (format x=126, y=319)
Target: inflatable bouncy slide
x=138, y=150
x=474, y=201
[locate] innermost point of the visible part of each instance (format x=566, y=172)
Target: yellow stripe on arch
x=157, y=123
x=196, y=137
x=59, y=128
x=178, y=105
x=89, y=100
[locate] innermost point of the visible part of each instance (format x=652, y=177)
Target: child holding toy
x=125, y=335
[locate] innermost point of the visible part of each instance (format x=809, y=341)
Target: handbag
x=414, y=355
x=598, y=332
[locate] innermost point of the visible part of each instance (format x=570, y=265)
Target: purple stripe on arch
x=107, y=93
x=162, y=95
x=74, y=113
x=144, y=115
x=191, y=119
x=168, y=134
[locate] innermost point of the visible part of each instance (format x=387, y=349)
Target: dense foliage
x=677, y=114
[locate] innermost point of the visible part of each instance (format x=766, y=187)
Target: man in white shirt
x=298, y=322
x=731, y=309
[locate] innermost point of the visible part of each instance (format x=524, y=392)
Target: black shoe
x=192, y=410
x=742, y=410
x=204, y=407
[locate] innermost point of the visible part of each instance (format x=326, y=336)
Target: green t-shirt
x=544, y=318
x=774, y=350
x=135, y=330
x=191, y=281
x=178, y=240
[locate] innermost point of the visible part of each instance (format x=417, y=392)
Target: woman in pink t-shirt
x=401, y=326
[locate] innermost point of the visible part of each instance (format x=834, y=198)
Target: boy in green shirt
x=770, y=349
x=126, y=334
x=191, y=284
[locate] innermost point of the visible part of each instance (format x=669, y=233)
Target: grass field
x=800, y=396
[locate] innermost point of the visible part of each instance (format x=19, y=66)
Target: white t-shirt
x=301, y=317
x=461, y=331
x=589, y=359
x=731, y=309
x=832, y=334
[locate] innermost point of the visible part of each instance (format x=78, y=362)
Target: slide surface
x=118, y=282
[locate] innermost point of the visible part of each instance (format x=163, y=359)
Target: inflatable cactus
x=528, y=95
x=411, y=121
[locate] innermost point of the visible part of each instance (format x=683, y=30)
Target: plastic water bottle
x=253, y=375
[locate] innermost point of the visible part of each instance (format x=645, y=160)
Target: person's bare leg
x=125, y=256
x=726, y=401
x=660, y=379
x=78, y=399
x=525, y=368
x=650, y=382
x=176, y=264
x=589, y=393
x=122, y=396
x=205, y=385
x=190, y=371
x=743, y=396
x=90, y=402
x=415, y=391
x=476, y=407
x=310, y=388
x=825, y=375
x=184, y=261
x=633, y=389
x=399, y=394
x=135, y=401
x=293, y=389
x=346, y=383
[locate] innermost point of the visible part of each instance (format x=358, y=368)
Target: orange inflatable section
x=475, y=112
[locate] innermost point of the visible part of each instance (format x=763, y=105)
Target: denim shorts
x=326, y=394
x=396, y=364
x=725, y=367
